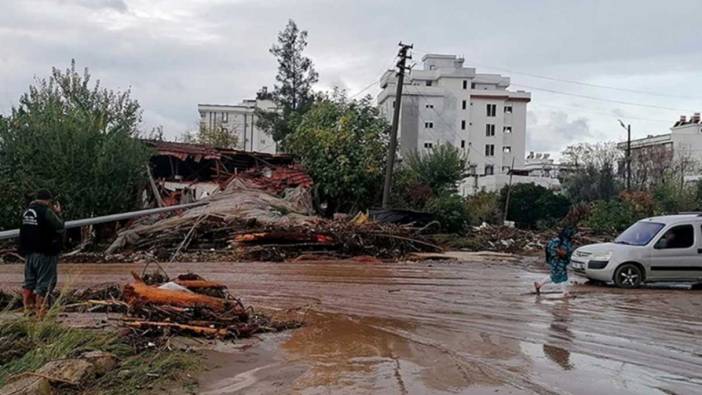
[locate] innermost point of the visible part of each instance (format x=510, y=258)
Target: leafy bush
x=441, y=168
x=75, y=140
x=671, y=198
x=408, y=192
x=531, y=204
x=641, y=204
x=450, y=210
x=609, y=216
x=483, y=207
x=342, y=145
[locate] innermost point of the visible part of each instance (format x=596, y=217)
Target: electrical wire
x=588, y=84
x=600, y=99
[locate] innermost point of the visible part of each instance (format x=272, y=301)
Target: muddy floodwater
x=442, y=327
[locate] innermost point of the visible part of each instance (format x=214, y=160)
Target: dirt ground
x=442, y=327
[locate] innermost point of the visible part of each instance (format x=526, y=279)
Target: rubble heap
x=258, y=218
x=513, y=240
x=192, y=305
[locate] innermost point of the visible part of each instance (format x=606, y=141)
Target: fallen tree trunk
x=138, y=293
x=194, y=285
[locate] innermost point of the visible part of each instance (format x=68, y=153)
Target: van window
x=682, y=236
x=639, y=234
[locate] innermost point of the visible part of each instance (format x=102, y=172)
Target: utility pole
x=509, y=192
x=628, y=157
x=395, y=121
x=628, y=154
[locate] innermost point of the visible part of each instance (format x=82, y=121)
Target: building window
x=472, y=85
x=491, y=110
x=463, y=144
x=464, y=104
x=489, y=149
x=489, y=129
x=428, y=145
x=463, y=125
x=427, y=83
x=429, y=125
x=508, y=109
x=507, y=129
x=429, y=106
x=489, y=170
x=506, y=149
x=465, y=84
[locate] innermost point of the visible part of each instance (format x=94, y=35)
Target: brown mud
x=442, y=327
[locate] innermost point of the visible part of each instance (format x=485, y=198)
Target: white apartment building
x=653, y=154
x=540, y=164
x=240, y=120
x=445, y=102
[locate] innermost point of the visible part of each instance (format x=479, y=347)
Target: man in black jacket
x=41, y=236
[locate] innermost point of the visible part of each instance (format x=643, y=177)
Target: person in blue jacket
x=558, y=252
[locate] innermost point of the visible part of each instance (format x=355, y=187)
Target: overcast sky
x=175, y=54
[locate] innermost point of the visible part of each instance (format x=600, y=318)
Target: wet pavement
x=443, y=327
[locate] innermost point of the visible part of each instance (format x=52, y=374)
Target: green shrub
x=77, y=140
x=532, y=204
x=609, y=216
x=671, y=198
x=450, y=210
x=483, y=207
x=441, y=168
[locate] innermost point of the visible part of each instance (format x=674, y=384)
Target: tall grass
x=27, y=343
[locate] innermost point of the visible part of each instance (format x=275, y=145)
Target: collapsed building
x=183, y=173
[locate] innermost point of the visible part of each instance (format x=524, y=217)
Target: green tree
x=77, y=140
x=218, y=136
x=342, y=145
x=441, y=168
x=483, y=207
x=531, y=205
x=293, y=90
x=593, y=174
x=423, y=176
x=450, y=210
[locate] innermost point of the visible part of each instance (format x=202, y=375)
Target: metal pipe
x=13, y=233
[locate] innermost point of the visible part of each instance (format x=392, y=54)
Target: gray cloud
x=117, y=5
x=550, y=132
x=175, y=54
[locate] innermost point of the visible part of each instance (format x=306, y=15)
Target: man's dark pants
x=40, y=273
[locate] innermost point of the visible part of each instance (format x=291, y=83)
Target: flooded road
x=443, y=327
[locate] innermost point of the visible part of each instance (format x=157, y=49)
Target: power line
x=375, y=81
x=601, y=99
x=364, y=89
x=583, y=83
x=602, y=113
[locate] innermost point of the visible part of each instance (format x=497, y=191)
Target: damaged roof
x=199, y=152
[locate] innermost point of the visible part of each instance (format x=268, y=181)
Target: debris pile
x=257, y=217
x=512, y=240
x=191, y=305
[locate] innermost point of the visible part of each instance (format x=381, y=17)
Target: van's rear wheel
x=628, y=275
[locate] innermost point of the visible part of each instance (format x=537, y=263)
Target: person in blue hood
x=558, y=252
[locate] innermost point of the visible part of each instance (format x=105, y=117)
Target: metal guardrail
x=13, y=233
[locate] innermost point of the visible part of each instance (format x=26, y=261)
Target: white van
x=665, y=248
